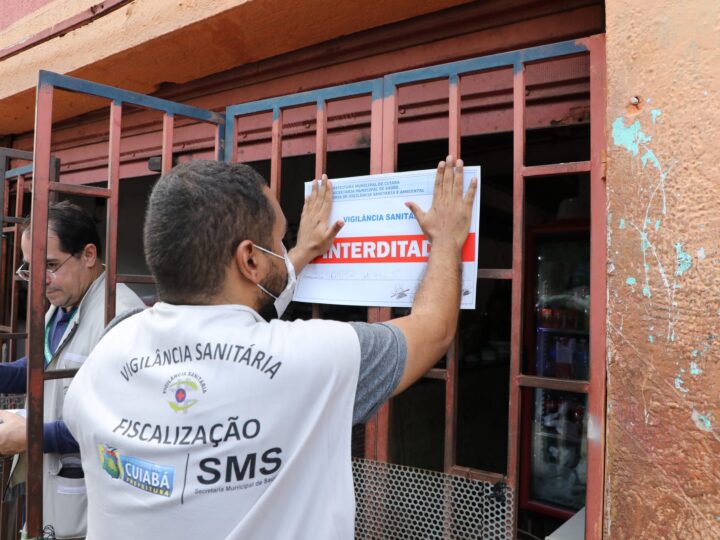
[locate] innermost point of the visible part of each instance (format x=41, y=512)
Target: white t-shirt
x=205, y=422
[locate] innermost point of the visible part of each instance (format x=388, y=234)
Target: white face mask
x=283, y=300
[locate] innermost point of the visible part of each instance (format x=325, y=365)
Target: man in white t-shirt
x=198, y=419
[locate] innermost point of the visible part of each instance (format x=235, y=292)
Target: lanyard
x=48, y=352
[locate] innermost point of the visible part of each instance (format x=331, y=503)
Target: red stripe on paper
x=386, y=249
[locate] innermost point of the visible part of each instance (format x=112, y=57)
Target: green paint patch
x=651, y=339
x=680, y=384
x=650, y=156
x=621, y=225
x=644, y=242
x=631, y=281
x=629, y=137
x=657, y=224
x=684, y=260
x=702, y=421
x=646, y=291
x=655, y=113
x=695, y=369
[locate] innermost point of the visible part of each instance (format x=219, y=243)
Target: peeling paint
x=621, y=225
x=684, y=260
x=695, y=369
x=644, y=242
x=655, y=113
x=650, y=156
x=679, y=383
x=657, y=224
x=702, y=421
x=631, y=281
x=629, y=137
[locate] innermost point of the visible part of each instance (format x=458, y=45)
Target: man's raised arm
x=431, y=325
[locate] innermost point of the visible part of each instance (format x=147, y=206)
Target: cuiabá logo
x=183, y=389
x=139, y=473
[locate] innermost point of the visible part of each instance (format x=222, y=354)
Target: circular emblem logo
x=183, y=390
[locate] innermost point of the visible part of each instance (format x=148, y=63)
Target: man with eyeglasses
x=74, y=323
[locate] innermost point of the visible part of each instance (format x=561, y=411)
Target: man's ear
x=89, y=254
x=246, y=260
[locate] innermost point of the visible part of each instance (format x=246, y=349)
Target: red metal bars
x=388, y=164
x=41, y=197
x=455, y=113
x=85, y=191
x=556, y=169
x=36, y=310
x=167, y=142
x=377, y=443
x=372, y=428
x=320, y=139
x=595, y=387
x=276, y=153
x=452, y=361
x=384, y=142
x=598, y=293
x=9, y=334
x=516, y=331
x=16, y=260
x=112, y=205
x=494, y=273
x=231, y=138
x=321, y=118
x=452, y=358
x=566, y=385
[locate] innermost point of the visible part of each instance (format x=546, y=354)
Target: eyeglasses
x=51, y=269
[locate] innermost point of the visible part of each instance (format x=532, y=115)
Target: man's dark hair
x=198, y=214
x=74, y=226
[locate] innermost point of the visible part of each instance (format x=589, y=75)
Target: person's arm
x=13, y=376
x=431, y=325
x=315, y=234
x=57, y=439
x=13, y=436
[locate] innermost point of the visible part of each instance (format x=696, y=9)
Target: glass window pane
x=417, y=426
x=562, y=306
x=556, y=339
x=483, y=379
x=558, y=468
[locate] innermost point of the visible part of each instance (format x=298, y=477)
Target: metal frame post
x=43, y=190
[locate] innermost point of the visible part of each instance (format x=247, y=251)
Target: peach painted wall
x=663, y=183
x=146, y=43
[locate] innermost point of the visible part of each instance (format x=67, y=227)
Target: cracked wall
x=663, y=182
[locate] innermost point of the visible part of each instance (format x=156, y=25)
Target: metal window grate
x=399, y=502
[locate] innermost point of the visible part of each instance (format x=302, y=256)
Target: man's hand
x=449, y=216
x=431, y=325
x=13, y=437
x=315, y=235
